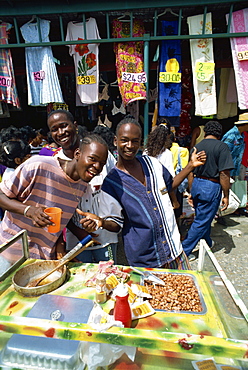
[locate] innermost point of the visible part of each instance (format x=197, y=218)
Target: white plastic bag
x=234, y=203
x=103, y=354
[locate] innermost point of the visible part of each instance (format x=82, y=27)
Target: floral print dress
x=129, y=58
x=85, y=60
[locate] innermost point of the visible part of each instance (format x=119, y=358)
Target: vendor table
x=165, y=340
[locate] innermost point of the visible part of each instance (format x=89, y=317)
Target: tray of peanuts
x=181, y=292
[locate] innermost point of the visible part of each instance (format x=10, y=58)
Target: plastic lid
x=101, y=276
x=121, y=290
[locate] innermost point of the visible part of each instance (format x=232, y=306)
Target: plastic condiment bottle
x=122, y=310
x=101, y=294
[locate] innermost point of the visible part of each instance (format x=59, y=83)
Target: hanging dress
x=8, y=92
x=129, y=58
x=85, y=60
x=42, y=77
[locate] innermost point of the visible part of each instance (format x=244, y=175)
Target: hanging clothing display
x=42, y=78
x=202, y=60
x=170, y=70
x=129, y=60
x=8, y=92
x=239, y=46
x=225, y=109
x=85, y=59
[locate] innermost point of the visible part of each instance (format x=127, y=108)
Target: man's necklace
x=72, y=189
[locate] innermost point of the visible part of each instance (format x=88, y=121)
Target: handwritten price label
x=243, y=55
x=86, y=80
x=170, y=77
x=5, y=81
x=39, y=75
x=134, y=77
x=204, y=70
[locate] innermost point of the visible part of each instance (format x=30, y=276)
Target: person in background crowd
x=197, y=136
x=108, y=136
x=12, y=154
x=206, y=184
x=184, y=158
x=50, y=148
x=138, y=188
x=43, y=182
x=39, y=141
x=158, y=145
x=10, y=133
x=234, y=138
x=2, y=169
x=27, y=133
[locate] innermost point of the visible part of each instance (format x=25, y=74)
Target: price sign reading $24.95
x=86, y=80
x=134, y=77
x=204, y=70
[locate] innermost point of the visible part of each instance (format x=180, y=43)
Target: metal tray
x=29, y=352
x=204, y=307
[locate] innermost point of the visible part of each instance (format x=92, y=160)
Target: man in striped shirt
x=43, y=182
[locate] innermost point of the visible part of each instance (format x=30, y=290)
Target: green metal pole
x=146, y=69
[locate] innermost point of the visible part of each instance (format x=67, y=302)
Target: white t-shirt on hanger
x=85, y=59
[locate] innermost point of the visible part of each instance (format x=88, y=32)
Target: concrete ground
x=230, y=249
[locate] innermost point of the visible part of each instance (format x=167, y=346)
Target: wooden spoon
x=73, y=253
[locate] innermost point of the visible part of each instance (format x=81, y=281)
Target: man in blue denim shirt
x=207, y=183
x=234, y=138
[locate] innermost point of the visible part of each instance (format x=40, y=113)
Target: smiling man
x=64, y=132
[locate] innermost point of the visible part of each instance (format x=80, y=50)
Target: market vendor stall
x=168, y=339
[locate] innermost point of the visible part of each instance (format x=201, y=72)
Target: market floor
x=230, y=249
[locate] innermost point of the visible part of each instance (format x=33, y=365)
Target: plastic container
x=101, y=294
x=122, y=310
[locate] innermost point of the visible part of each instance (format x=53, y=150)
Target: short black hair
x=27, y=133
x=106, y=134
x=62, y=111
x=11, y=149
x=213, y=128
x=127, y=119
x=91, y=138
x=9, y=133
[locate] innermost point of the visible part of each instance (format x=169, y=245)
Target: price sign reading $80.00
x=134, y=77
x=204, y=70
x=86, y=80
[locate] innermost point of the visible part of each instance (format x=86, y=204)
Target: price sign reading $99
x=86, y=80
x=134, y=77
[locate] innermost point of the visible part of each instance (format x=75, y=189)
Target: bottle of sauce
x=101, y=294
x=122, y=310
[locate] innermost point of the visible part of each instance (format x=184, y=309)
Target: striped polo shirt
x=39, y=181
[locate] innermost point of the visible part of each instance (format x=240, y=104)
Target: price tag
x=171, y=77
x=204, y=70
x=134, y=77
x=86, y=80
x=38, y=76
x=5, y=81
x=243, y=55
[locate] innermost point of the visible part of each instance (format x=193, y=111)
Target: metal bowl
x=35, y=270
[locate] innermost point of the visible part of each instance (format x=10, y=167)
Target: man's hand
x=38, y=216
x=90, y=222
x=198, y=159
x=224, y=203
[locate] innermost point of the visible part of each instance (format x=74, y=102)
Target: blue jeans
x=97, y=255
x=206, y=196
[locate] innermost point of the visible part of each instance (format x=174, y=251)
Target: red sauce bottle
x=122, y=310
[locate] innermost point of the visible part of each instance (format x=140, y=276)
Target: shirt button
x=163, y=241
x=160, y=226
x=86, y=200
x=155, y=208
x=149, y=191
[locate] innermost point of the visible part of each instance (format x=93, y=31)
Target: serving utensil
x=147, y=275
x=82, y=245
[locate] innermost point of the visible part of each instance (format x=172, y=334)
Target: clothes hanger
x=102, y=80
x=34, y=18
x=126, y=14
x=167, y=10
x=114, y=84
